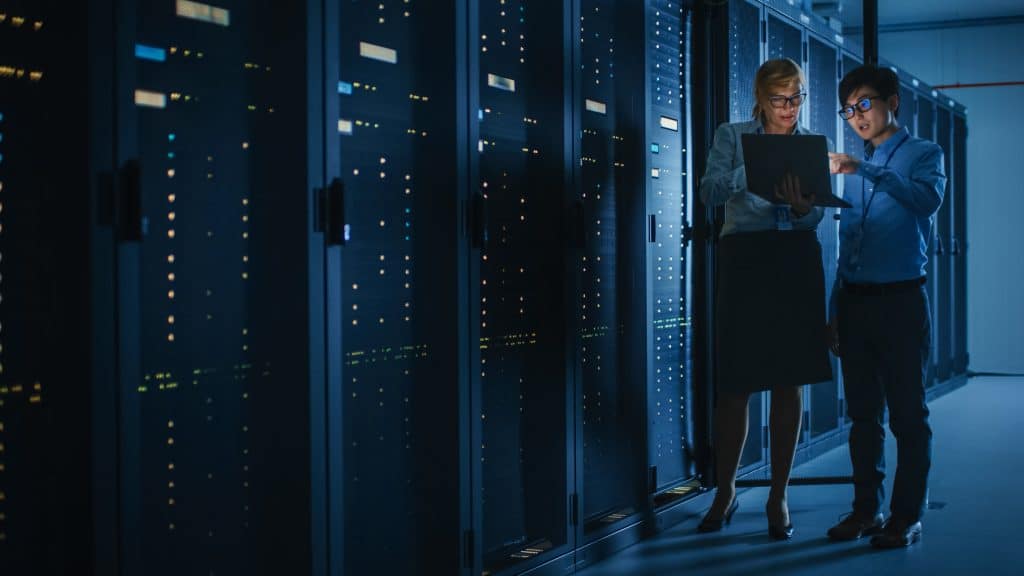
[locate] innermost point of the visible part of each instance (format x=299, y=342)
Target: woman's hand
x=788, y=191
x=842, y=163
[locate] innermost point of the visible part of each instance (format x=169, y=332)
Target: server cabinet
x=669, y=255
x=521, y=292
x=55, y=306
x=936, y=249
x=959, y=245
x=942, y=330
x=822, y=69
x=608, y=110
x=216, y=285
x=396, y=148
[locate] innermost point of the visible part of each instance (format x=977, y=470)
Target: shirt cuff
x=870, y=171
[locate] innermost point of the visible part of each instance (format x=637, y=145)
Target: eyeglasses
x=780, y=101
x=864, y=104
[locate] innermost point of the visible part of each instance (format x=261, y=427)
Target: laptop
x=768, y=157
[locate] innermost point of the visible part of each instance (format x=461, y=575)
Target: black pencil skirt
x=770, y=311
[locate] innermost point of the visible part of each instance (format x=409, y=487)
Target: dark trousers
x=885, y=340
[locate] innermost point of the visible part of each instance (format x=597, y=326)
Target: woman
x=770, y=301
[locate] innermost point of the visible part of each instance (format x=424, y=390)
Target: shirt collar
x=760, y=127
x=887, y=146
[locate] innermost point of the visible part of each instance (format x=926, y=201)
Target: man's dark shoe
x=897, y=533
x=853, y=526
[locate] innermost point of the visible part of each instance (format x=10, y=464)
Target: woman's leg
x=731, y=422
x=784, y=427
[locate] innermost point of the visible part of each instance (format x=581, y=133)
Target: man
x=879, y=316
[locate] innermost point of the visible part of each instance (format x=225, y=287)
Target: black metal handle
x=687, y=235
x=128, y=219
x=652, y=228
x=330, y=214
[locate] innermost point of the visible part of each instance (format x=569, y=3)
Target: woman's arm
x=721, y=181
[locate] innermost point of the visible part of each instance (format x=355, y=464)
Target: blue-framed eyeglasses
x=864, y=104
x=780, y=101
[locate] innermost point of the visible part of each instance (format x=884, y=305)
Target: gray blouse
x=725, y=182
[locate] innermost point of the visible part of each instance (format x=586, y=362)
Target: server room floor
x=973, y=527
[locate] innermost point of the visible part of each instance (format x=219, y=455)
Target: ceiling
x=904, y=12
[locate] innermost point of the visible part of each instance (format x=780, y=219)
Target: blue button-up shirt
x=891, y=243
x=725, y=182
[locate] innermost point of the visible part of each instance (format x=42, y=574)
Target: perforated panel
x=960, y=231
x=215, y=424
x=668, y=199
x=523, y=274
x=607, y=167
x=397, y=137
x=785, y=40
x=943, y=331
x=744, y=58
x=823, y=101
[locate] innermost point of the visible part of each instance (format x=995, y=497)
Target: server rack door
x=47, y=284
x=524, y=166
x=609, y=109
x=907, y=116
x=959, y=246
x=213, y=287
x=669, y=203
x=396, y=146
x=785, y=40
x=745, y=40
x=745, y=56
x=823, y=101
x=942, y=331
x=926, y=130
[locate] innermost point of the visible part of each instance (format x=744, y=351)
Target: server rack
x=943, y=223
x=56, y=311
x=395, y=160
x=961, y=358
x=184, y=317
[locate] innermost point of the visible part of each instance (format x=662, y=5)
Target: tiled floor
x=978, y=465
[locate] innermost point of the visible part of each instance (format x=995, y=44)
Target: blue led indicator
x=170, y=155
x=171, y=137
x=408, y=210
x=344, y=88
x=480, y=114
x=143, y=52
x=1, y=116
x=655, y=148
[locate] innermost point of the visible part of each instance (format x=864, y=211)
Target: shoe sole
x=915, y=537
x=863, y=533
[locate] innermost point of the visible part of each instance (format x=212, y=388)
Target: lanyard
x=867, y=207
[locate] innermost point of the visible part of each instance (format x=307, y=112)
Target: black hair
x=882, y=80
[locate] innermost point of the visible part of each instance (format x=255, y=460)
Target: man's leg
x=865, y=401
x=906, y=361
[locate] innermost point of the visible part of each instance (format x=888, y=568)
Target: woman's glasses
x=864, y=104
x=780, y=101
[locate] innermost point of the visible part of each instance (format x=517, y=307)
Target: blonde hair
x=779, y=72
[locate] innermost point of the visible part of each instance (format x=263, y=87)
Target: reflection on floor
x=971, y=527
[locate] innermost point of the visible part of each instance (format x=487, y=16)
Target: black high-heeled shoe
x=707, y=524
x=778, y=531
